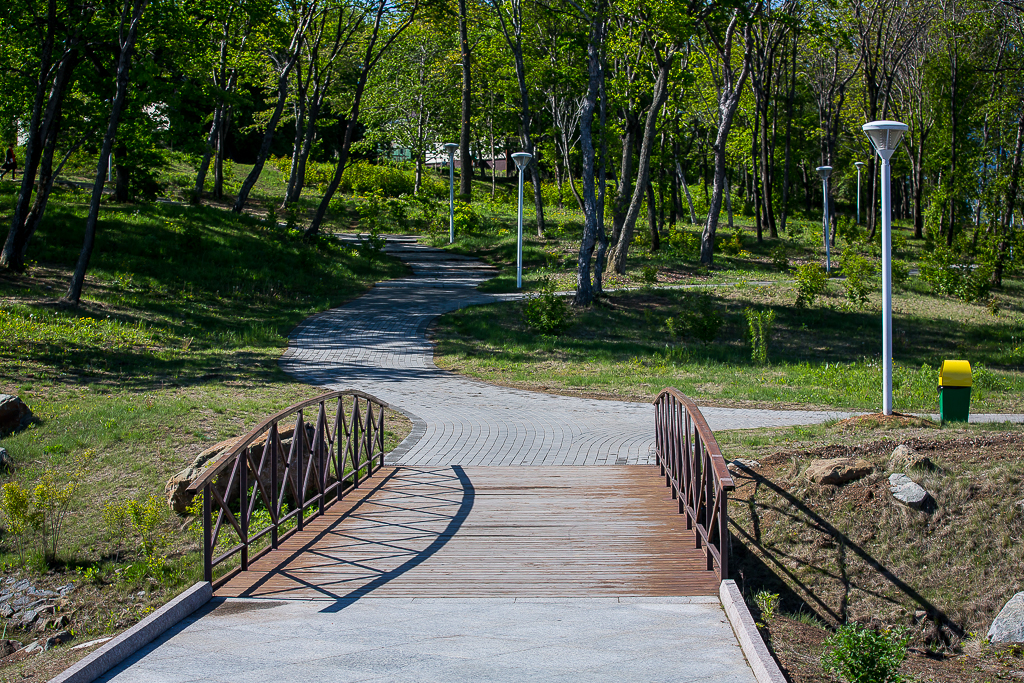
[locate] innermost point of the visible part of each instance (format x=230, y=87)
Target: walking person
x=10, y=164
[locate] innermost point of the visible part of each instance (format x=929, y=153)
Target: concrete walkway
x=377, y=344
x=446, y=640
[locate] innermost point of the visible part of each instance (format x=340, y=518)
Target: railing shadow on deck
x=695, y=470
x=325, y=458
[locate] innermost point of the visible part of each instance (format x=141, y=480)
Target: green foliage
x=859, y=272
x=954, y=273
x=811, y=283
x=702, y=319
x=766, y=603
x=732, y=246
x=547, y=312
x=760, y=325
x=363, y=177
x=780, y=258
x=466, y=219
x=848, y=230
x=684, y=244
x=649, y=274
x=39, y=513
x=860, y=655
x=900, y=273
x=140, y=518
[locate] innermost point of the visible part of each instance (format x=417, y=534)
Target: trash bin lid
x=955, y=373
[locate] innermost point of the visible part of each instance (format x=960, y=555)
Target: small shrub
x=811, y=283
x=954, y=273
x=362, y=177
x=859, y=272
x=780, y=258
x=39, y=513
x=141, y=518
x=547, y=312
x=649, y=274
x=703, y=321
x=734, y=245
x=760, y=324
x=684, y=244
x=465, y=218
x=766, y=603
x=860, y=655
x=900, y=273
x=848, y=230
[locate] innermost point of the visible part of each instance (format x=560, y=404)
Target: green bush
x=811, y=282
x=766, y=603
x=859, y=272
x=734, y=245
x=140, y=518
x=547, y=312
x=649, y=274
x=954, y=273
x=683, y=244
x=701, y=319
x=39, y=513
x=900, y=273
x=363, y=177
x=760, y=324
x=780, y=258
x=860, y=655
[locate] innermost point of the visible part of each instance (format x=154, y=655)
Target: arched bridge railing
x=697, y=473
x=286, y=472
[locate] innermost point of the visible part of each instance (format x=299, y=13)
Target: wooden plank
x=490, y=531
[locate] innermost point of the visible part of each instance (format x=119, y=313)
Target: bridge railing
x=694, y=468
x=285, y=473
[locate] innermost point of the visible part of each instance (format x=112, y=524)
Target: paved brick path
x=377, y=344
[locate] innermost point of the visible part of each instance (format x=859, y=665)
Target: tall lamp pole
x=450, y=147
x=859, y=165
x=522, y=159
x=885, y=136
x=825, y=172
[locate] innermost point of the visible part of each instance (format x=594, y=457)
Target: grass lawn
x=838, y=554
x=630, y=344
x=184, y=315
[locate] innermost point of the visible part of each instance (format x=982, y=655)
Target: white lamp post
x=450, y=147
x=859, y=165
x=825, y=172
x=885, y=137
x=522, y=159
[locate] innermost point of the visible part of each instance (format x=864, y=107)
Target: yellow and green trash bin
x=955, y=391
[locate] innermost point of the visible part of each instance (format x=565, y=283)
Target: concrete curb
x=761, y=662
x=137, y=637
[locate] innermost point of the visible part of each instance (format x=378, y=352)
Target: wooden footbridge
x=303, y=507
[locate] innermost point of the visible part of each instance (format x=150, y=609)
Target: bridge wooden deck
x=489, y=532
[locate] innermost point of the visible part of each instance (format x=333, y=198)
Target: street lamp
x=450, y=147
x=522, y=159
x=859, y=165
x=885, y=137
x=824, y=172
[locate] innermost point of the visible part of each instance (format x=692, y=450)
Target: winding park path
x=483, y=551
x=377, y=344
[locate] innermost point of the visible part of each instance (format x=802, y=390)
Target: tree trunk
x=621, y=249
x=1011, y=202
x=44, y=142
x=74, y=293
x=592, y=197
x=652, y=218
x=620, y=207
x=728, y=100
x=466, y=167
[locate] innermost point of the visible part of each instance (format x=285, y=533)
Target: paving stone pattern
x=377, y=344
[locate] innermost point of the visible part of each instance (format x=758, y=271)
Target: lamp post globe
x=885, y=137
x=859, y=165
x=825, y=172
x=522, y=160
x=451, y=148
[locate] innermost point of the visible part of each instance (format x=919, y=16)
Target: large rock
x=178, y=498
x=837, y=470
x=14, y=414
x=1008, y=626
x=905, y=458
x=907, y=491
